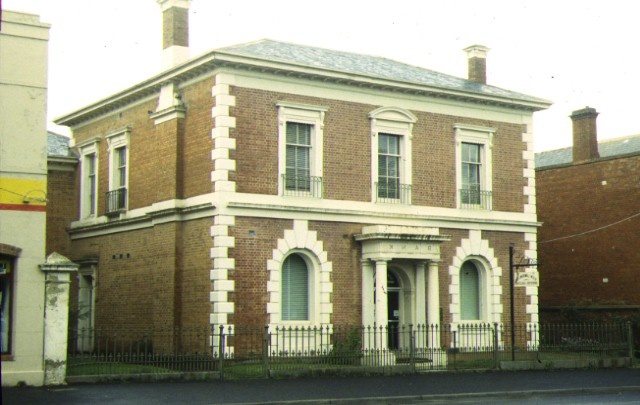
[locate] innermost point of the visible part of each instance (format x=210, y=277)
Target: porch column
x=433, y=294
x=421, y=315
x=368, y=304
x=381, y=308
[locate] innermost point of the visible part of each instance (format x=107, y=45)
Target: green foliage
x=347, y=349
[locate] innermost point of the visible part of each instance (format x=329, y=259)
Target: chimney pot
x=585, y=135
x=477, y=63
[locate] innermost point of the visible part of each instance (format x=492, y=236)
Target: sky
x=574, y=53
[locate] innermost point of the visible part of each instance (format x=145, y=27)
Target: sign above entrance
x=400, y=242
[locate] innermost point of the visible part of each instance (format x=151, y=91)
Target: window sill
x=7, y=357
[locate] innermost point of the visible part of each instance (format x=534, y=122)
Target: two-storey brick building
x=277, y=184
x=587, y=201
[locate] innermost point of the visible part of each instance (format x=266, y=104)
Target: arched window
x=295, y=289
x=469, y=292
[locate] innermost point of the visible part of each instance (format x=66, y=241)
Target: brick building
x=587, y=201
x=276, y=184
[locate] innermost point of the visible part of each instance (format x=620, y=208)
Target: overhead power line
x=591, y=230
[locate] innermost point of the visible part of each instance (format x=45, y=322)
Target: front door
x=393, y=310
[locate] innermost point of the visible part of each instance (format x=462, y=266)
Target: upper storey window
x=117, y=197
x=388, y=166
x=471, y=173
x=473, y=162
x=89, y=178
x=298, y=169
x=391, y=155
x=300, y=149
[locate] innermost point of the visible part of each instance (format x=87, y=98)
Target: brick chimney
x=175, y=32
x=477, y=56
x=585, y=137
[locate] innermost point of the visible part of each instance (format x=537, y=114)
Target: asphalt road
x=528, y=387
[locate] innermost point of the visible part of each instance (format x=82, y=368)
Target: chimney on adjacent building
x=585, y=135
x=477, y=56
x=175, y=32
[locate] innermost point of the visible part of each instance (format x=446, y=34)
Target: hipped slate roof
x=281, y=58
x=618, y=147
x=366, y=65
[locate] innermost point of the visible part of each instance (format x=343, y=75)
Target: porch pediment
x=400, y=242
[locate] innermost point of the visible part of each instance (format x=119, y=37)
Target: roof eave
x=209, y=61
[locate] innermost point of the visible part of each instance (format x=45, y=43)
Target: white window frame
x=302, y=114
x=478, y=135
x=116, y=140
x=399, y=122
x=87, y=149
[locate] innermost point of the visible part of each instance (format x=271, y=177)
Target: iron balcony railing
x=302, y=186
x=393, y=193
x=116, y=200
x=476, y=199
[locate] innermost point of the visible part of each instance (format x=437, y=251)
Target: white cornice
x=206, y=63
x=239, y=204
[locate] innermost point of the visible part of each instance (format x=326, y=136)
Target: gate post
x=412, y=344
x=221, y=351
x=57, y=269
x=495, y=345
x=630, y=342
x=265, y=350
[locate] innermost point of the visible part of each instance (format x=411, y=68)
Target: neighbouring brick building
x=588, y=203
x=276, y=184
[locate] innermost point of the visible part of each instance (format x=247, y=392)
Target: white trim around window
x=312, y=118
x=392, y=122
x=89, y=163
x=483, y=137
x=119, y=166
x=304, y=243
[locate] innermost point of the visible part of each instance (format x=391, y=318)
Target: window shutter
x=295, y=289
x=469, y=292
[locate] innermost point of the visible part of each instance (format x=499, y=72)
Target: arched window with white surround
x=299, y=284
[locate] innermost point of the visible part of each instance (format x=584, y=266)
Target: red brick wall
x=160, y=155
x=152, y=277
x=585, y=237
x=62, y=208
x=251, y=276
x=196, y=140
x=347, y=152
x=345, y=254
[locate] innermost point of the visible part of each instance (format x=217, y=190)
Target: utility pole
x=513, y=327
x=512, y=268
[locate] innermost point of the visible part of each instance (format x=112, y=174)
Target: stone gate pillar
x=57, y=269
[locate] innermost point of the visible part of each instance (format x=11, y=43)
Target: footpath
x=338, y=390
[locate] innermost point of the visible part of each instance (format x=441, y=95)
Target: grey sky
x=574, y=53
